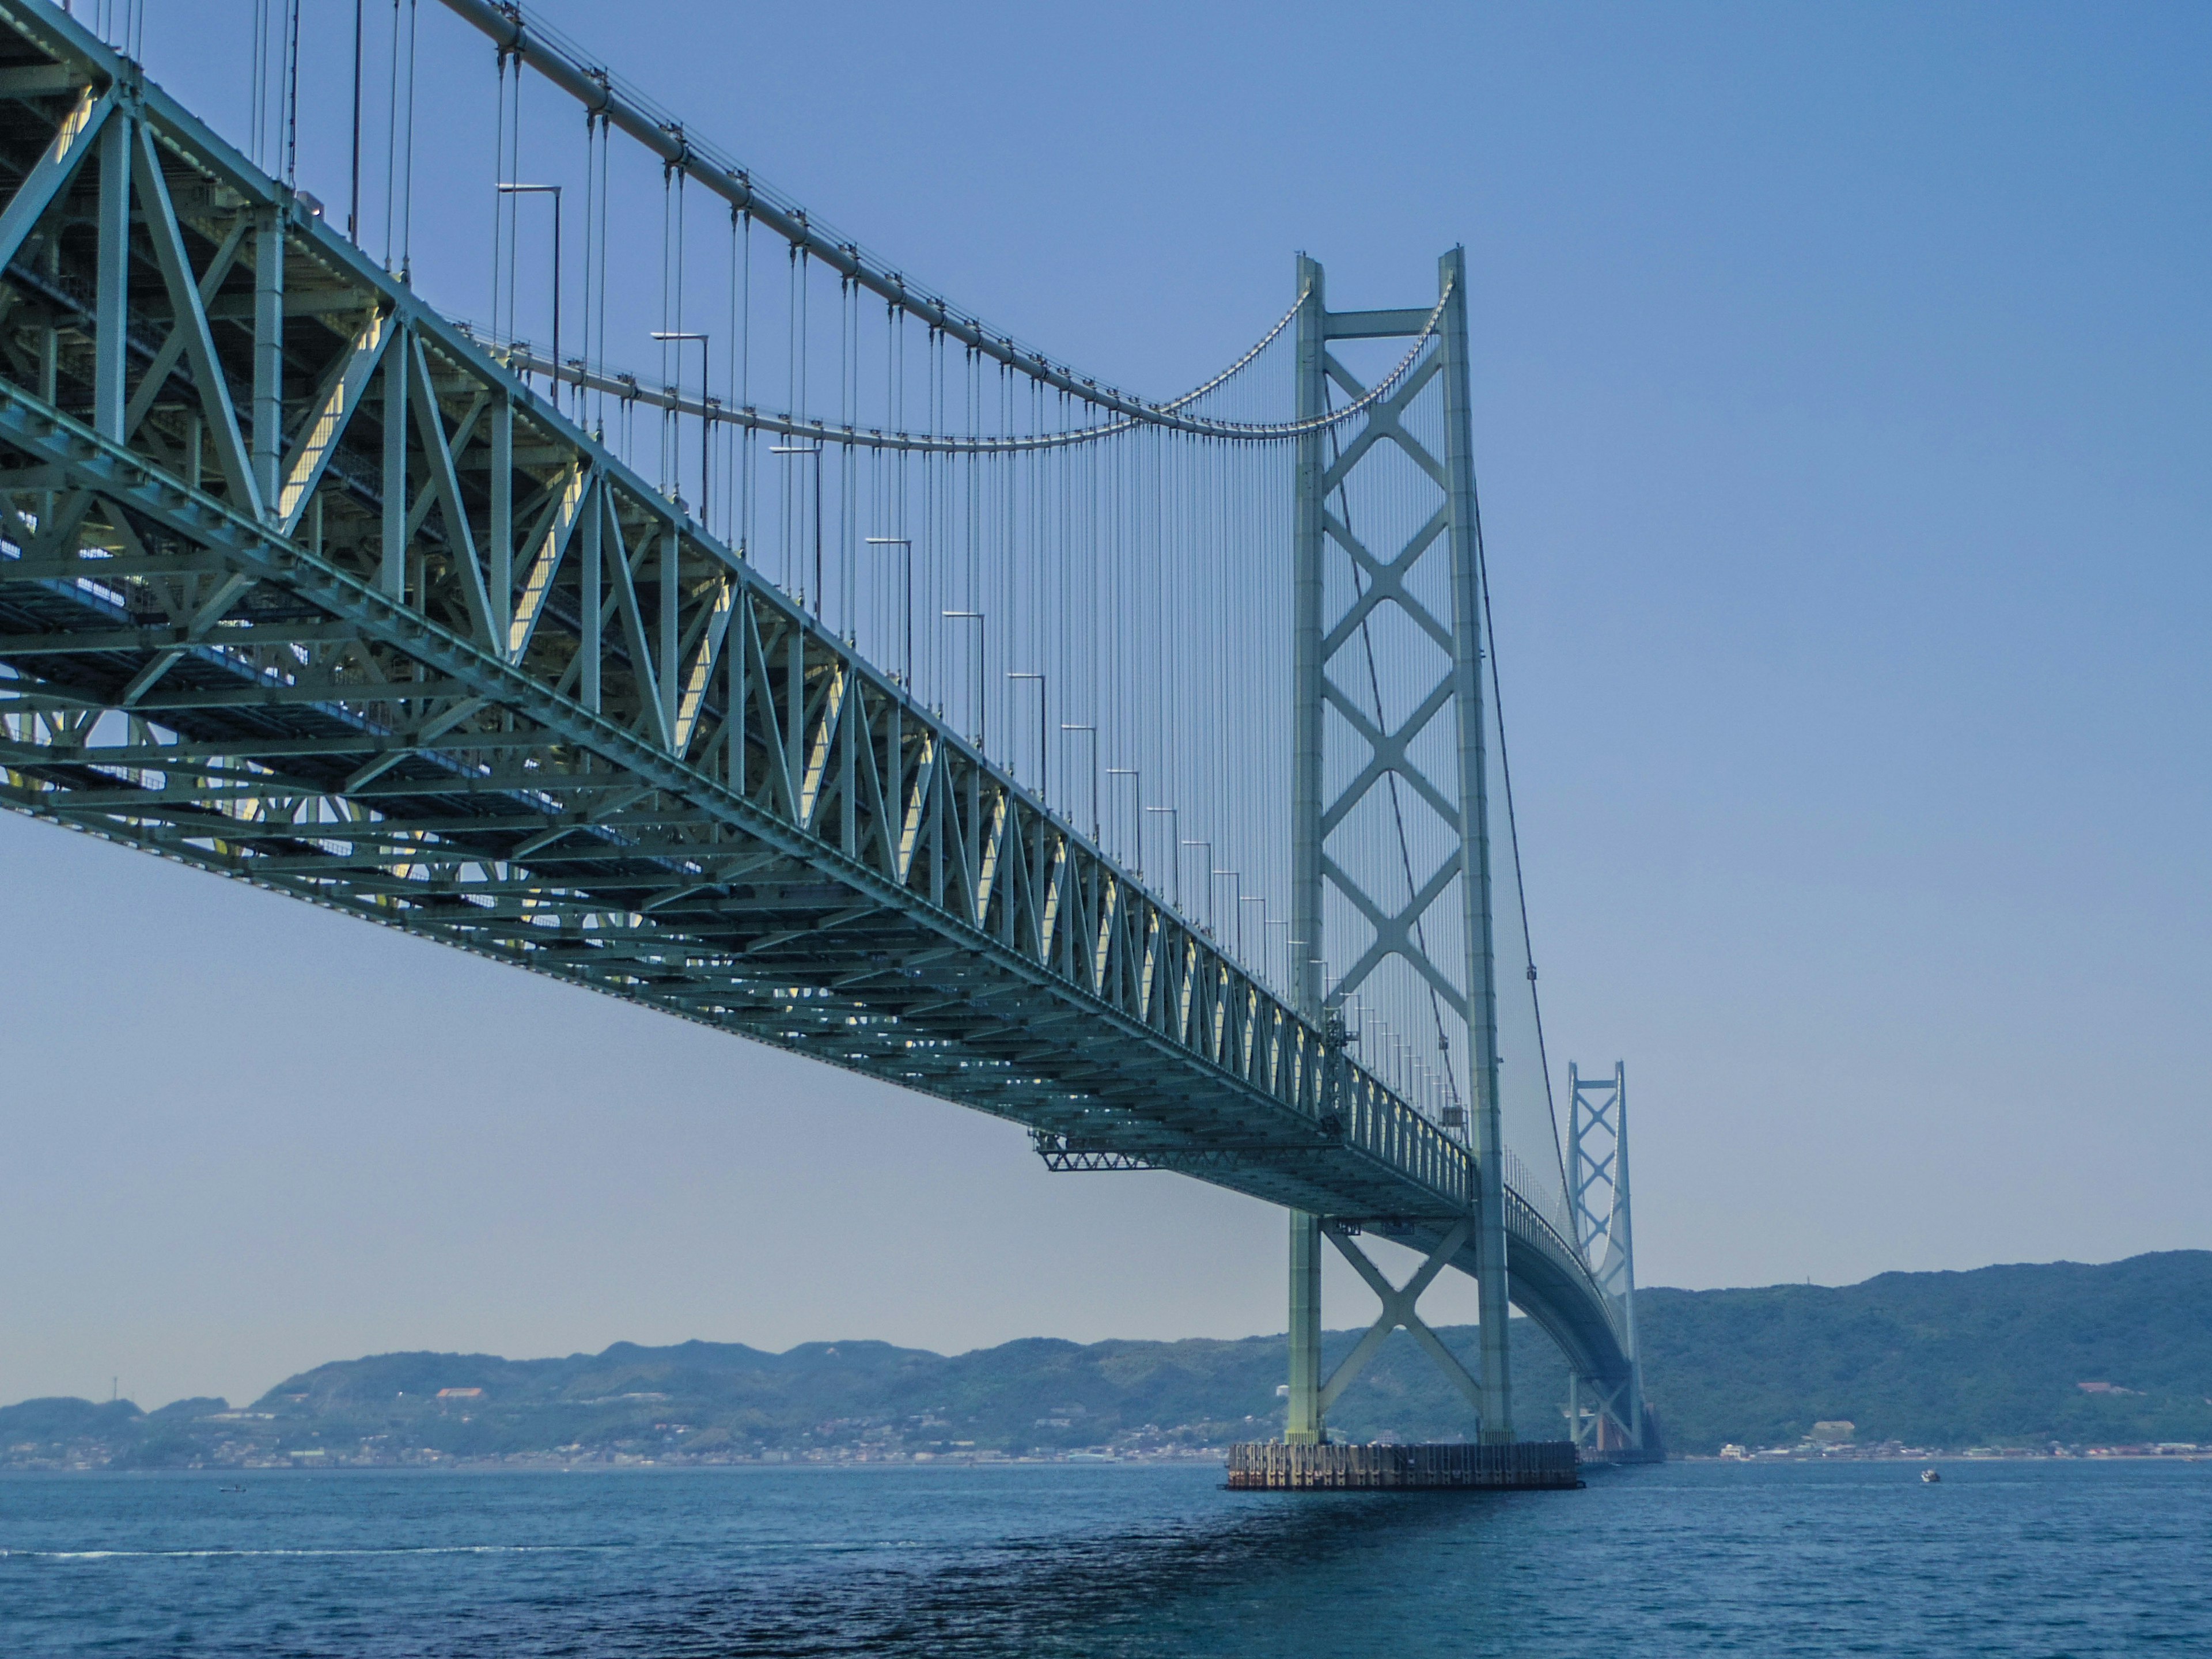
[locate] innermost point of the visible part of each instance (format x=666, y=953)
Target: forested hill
x=1994, y=1357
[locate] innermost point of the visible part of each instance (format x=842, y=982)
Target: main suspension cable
x=566, y=65
x=525, y=358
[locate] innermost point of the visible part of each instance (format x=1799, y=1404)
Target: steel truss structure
x=300, y=585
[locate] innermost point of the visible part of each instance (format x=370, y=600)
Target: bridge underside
x=401, y=640
x=650, y=900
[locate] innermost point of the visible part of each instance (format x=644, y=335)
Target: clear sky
x=1842, y=423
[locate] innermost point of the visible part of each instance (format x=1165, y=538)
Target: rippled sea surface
x=2016, y=1559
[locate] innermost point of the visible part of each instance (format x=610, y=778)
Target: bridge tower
x=1598, y=1194
x=1452, y=778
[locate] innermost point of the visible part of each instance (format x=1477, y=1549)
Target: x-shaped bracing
x=1607, y=1402
x=1388, y=758
x=1398, y=1311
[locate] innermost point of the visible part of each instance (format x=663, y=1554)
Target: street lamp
x=1136, y=815
x=1093, y=731
x=1043, y=753
x=815, y=450
x=1175, y=853
x=1260, y=900
x=976, y=616
x=680, y=340
x=1236, y=910
x=907, y=542
x=1209, y=886
x=554, y=190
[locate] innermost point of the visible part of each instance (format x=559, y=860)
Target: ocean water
x=2017, y=1559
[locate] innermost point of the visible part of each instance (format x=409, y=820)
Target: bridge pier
x=1304, y=1425
x=1537, y=1465
x=1310, y=1395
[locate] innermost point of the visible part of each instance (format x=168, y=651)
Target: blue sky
x=1841, y=423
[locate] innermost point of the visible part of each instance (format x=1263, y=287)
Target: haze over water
x=1128, y=1561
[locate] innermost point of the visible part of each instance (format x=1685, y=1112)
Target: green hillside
x=1992, y=1357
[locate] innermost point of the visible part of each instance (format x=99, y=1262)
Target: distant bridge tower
x=1597, y=1189
x=1419, y=915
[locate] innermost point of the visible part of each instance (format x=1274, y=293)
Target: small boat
x=1929, y=1477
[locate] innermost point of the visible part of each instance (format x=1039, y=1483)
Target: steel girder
x=313, y=592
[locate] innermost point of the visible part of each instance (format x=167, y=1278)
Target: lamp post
x=1175, y=853
x=976, y=616
x=1236, y=909
x=815, y=450
x=554, y=190
x=680, y=340
x=906, y=543
x=1093, y=731
x=1254, y=899
x=1209, y=886
x=1136, y=815
x=1044, y=755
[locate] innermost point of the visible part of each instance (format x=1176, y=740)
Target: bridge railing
x=1388, y=1129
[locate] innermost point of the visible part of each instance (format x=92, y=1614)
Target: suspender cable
x=407, y=175
x=292, y=93
x=392, y=138
x=501, y=171
x=353, y=201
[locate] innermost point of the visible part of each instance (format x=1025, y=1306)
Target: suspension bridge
x=861, y=680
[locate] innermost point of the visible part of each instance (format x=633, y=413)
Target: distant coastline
x=2190, y=1453
x=2110, y=1361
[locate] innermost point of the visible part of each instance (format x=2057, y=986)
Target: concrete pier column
x=1304, y=1426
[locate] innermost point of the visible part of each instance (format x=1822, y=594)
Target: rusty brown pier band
x=1273, y=1466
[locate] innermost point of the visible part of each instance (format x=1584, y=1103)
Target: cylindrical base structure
x=1274, y=1466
